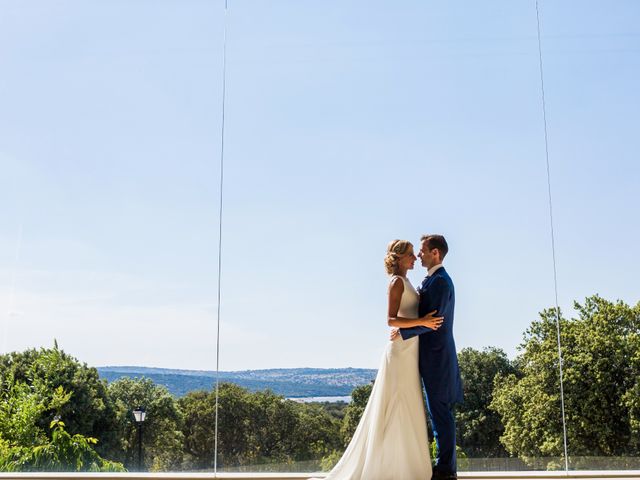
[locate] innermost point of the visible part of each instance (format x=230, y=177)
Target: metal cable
x=553, y=243
x=224, y=96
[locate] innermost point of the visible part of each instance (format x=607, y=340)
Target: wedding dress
x=390, y=442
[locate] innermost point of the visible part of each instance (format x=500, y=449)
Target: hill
x=290, y=382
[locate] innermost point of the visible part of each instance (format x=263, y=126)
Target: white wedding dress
x=390, y=442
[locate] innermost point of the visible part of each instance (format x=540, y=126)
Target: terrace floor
x=577, y=474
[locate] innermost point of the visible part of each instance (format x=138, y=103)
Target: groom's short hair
x=436, y=241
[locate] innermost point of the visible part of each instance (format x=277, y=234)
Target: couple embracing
x=390, y=442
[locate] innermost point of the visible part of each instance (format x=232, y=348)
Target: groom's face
x=428, y=257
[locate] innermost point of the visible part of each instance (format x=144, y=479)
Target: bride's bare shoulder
x=396, y=284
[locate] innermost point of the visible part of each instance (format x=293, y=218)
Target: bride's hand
x=394, y=333
x=432, y=322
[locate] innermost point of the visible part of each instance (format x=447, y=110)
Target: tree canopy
x=600, y=349
x=56, y=413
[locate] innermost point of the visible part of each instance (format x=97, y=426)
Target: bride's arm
x=396, y=288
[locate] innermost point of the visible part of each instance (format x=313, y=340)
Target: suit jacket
x=438, y=360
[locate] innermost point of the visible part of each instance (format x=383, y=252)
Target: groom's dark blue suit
x=438, y=364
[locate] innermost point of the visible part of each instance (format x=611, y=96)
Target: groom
x=437, y=359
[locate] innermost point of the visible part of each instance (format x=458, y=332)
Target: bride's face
x=406, y=261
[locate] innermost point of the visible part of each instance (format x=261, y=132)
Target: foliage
x=461, y=456
x=601, y=370
x=317, y=433
x=24, y=446
x=64, y=453
x=254, y=428
x=162, y=429
x=478, y=427
x=234, y=427
x=511, y=407
x=330, y=461
x=88, y=411
x=353, y=413
x=337, y=410
x=20, y=409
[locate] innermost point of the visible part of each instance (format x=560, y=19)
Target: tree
x=259, y=427
x=631, y=399
x=359, y=398
x=20, y=410
x=317, y=432
x=478, y=427
x=163, y=438
x=89, y=410
x=236, y=446
x=601, y=370
x=287, y=431
x=64, y=453
x=24, y=446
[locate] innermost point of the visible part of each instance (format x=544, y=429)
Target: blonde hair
x=395, y=250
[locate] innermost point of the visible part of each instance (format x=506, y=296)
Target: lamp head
x=139, y=414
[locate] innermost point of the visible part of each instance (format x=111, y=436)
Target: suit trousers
x=443, y=424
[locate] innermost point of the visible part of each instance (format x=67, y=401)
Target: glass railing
x=222, y=267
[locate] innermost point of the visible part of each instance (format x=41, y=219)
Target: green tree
x=20, y=410
x=337, y=410
x=63, y=453
x=274, y=423
x=88, y=412
x=259, y=427
x=162, y=434
x=359, y=398
x=329, y=461
x=317, y=432
x=25, y=446
x=287, y=431
x=236, y=445
x=601, y=370
x=478, y=427
x=631, y=399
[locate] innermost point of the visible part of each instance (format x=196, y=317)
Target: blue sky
x=348, y=124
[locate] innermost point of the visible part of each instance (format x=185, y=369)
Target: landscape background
x=57, y=414
x=289, y=382
x=348, y=123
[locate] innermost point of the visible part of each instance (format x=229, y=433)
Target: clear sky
x=349, y=123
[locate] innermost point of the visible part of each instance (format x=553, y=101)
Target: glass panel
x=350, y=125
x=109, y=151
x=591, y=63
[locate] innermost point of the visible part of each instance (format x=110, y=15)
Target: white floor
x=609, y=475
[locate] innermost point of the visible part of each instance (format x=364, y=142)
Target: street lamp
x=139, y=414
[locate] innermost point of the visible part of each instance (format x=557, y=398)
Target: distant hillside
x=290, y=382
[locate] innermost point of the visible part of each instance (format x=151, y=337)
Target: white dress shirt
x=432, y=270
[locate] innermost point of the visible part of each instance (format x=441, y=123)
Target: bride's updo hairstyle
x=395, y=250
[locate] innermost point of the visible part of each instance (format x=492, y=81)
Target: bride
x=390, y=442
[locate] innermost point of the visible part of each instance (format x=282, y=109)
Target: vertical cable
x=553, y=243
x=224, y=95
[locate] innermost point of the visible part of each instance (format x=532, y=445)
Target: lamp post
x=139, y=414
